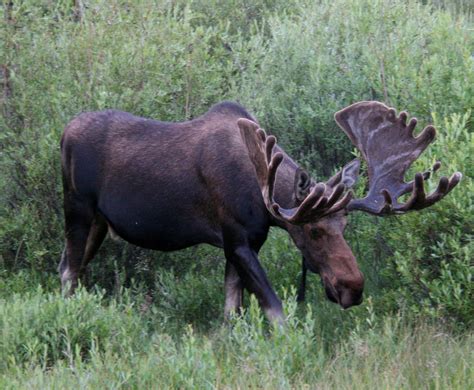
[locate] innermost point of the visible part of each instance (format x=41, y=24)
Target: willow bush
x=116, y=344
x=140, y=58
x=336, y=52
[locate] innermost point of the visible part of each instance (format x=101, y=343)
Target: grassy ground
x=90, y=341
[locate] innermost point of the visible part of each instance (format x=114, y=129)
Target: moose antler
x=315, y=206
x=387, y=144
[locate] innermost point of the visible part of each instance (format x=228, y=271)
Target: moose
x=220, y=179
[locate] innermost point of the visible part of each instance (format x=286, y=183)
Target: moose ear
x=302, y=184
x=347, y=175
x=350, y=173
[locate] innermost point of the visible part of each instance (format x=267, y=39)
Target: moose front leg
x=253, y=277
x=234, y=290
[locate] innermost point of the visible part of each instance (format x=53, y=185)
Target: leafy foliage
x=85, y=341
x=437, y=277
x=338, y=52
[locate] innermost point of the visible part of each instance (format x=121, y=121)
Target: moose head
x=318, y=218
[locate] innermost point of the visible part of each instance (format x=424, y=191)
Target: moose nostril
x=350, y=298
x=332, y=293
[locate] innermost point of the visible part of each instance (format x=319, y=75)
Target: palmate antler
x=387, y=144
x=315, y=206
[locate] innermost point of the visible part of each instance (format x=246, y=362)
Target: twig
x=382, y=78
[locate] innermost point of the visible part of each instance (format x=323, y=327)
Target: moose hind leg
x=71, y=259
x=78, y=222
x=96, y=237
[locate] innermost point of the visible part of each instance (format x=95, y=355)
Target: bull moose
x=219, y=179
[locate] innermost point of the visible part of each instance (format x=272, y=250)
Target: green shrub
x=377, y=352
x=43, y=328
x=433, y=251
x=337, y=52
x=152, y=61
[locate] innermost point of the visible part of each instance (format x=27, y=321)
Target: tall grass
x=89, y=342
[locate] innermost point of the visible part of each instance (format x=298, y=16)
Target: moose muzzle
x=346, y=292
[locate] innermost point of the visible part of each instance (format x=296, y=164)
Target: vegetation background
x=154, y=320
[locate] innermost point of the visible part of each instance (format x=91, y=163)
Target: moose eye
x=315, y=232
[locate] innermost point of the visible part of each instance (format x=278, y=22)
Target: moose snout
x=346, y=292
x=348, y=298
